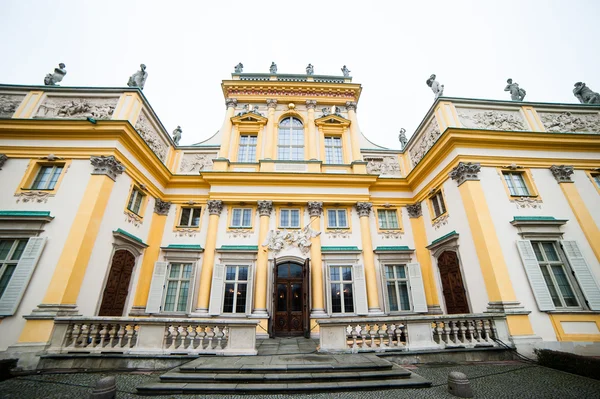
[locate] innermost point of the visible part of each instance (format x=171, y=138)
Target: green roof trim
x=452, y=233
x=394, y=248
x=238, y=248
x=26, y=213
x=184, y=246
x=518, y=218
x=121, y=231
x=340, y=249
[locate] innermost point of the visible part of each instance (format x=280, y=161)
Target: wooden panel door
x=452, y=283
x=117, y=285
x=289, y=297
x=306, y=298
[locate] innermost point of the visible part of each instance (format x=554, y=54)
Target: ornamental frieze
x=195, y=163
x=77, y=108
x=425, y=142
x=570, y=122
x=382, y=165
x=150, y=135
x=491, y=120
x=9, y=104
x=286, y=92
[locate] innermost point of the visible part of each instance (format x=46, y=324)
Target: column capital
x=414, y=210
x=3, y=159
x=351, y=105
x=271, y=103
x=161, y=207
x=315, y=208
x=311, y=104
x=562, y=173
x=464, y=172
x=363, y=208
x=108, y=166
x=231, y=102
x=265, y=208
x=214, y=207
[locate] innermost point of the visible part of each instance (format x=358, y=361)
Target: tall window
x=388, y=219
x=47, y=177
x=241, y=217
x=289, y=218
x=333, y=149
x=516, y=183
x=290, y=140
x=336, y=219
x=397, y=287
x=342, y=300
x=555, y=275
x=10, y=253
x=247, y=149
x=236, y=288
x=135, y=201
x=190, y=217
x=437, y=202
x=178, y=287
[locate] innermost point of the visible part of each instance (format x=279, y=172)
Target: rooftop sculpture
x=310, y=70
x=239, y=68
x=402, y=138
x=346, y=71
x=436, y=87
x=273, y=68
x=516, y=93
x=585, y=95
x=177, y=135
x=52, y=79
x=138, y=79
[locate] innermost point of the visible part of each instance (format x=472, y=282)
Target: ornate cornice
x=464, y=172
x=351, y=105
x=562, y=173
x=108, y=166
x=3, y=159
x=311, y=104
x=161, y=207
x=363, y=208
x=315, y=208
x=414, y=210
x=265, y=208
x=231, y=102
x=215, y=207
x=271, y=103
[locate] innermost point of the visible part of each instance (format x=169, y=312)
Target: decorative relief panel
x=570, y=122
x=425, y=142
x=527, y=202
x=33, y=196
x=132, y=218
x=279, y=239
x=77, y=107
x=9, y=104
x=391, y=234
x=338, y=233
x=385, y=165
x=491, y=119
x=440, y=221
x=183, y=232
x=239, y=233
x=195, y=163
x=151, y=136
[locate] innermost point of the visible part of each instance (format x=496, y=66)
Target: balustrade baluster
x=447, y=337
x=438, y=332
x=478, y=330
x=210, y=334
x=454, y=327
x=68, y=342
x=103, y=332
x=463, y=329
x=130, y=331
x=352, y=331
x=391, y=334
x=192, y=335
x=494, y=331
x=121, y=335
x=487, y=331
x=93, y=338
x=202, y=339
x=76, y=333
x=112, y=334
x=372, y=332
x=471, y=329
x=219, y=334
x=85, y=335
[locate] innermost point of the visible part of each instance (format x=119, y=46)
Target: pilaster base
x=51, y=311
x=434, y=309
x=506, y=307
x=138, y=311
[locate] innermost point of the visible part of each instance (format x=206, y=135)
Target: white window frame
x=335, y=155
x=249, y=147
x=237, y=281
x=190, y=216
x=396, y=286
x=136, y=194
x=179, y=280
x=54, y=173
x=5, y=263
x=336, y=225
x=241, y=225
x=511, y=183
x=437, y=204
x=388, y=212
x=342, y=283
x=288, y=148
x=289, y=212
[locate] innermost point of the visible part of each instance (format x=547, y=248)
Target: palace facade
x=483, y=230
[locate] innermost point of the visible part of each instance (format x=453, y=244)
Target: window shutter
x=534, y=275
x=18, y=283
x=360, y=290
x=585, y=277
x=250, y=290
x=155, y=294
x=417, y=289
x=216, y=291
x=192, y=288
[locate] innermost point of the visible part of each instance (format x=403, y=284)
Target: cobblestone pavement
x=489, y=380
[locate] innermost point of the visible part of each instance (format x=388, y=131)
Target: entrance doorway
x=117, y=285
x=290, y=316
x=452, y=283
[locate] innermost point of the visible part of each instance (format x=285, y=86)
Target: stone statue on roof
x=138, y=79
x=516, y=93
x=585, y=95
x=346, y=71
x=310, y=70
x=402, y=138
x=239, y=68
x=52, y=79
x=436, y=87
x=273, y=68
x=177, y=135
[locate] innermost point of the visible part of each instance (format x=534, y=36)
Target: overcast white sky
x=390, y=47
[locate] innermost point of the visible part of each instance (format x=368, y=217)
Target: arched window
x=290, y=144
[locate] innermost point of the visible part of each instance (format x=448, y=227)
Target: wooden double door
x=452, y=283
x=117, y=285
x=290, y=315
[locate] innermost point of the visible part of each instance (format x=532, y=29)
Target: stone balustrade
x=412, y=333
x=153, y=336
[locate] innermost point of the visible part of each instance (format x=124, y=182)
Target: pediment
x=332, y=119
x=249, y=117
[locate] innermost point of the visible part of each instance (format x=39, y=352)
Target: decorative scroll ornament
x=414, y=210
x=425, y=142
x=161, y=207
x=231, y=102
x=562, y=173
x=351, y=105
x=108, y=166
x=311, y=104
x=568, y=122
x=440, y=221
x=391, y=234
x=3, y=159
x=240, y=233
x=215, y=207
x=384, y=165
x=184, y=232
x=527, y=202
x=265, y=208
x=464, y=172
x=363, y=208
x=132, y=218
x=33, y=196
x=493, y=120
x=279, y=239
x=315, y=208
x=338, y=233
x=513, y=166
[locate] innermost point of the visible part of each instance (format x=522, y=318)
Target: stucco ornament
x=177, y=135
x=424, y=142
x=231, y=102
x=585, y=95
x=351, y=105
x=382, y=165
x=363, y=208
x=562, y=173
x=414, y=210
x=215, y=207
x=338, y=233
x=346, y=71
x=310, y=70
x=493, y=120
x=3, y=159
x=138, y=79
x=61, y=107
x=161, y=207
x=132, y=218
x=9, y=104
x=239, y=68
x=273, y=67
x=516, y=93
x=107, y=165
x=192, y=163
x=52, y=79
x=440, y=221
x=402, y=138
x=464, y=172
x=279, y=239
x=569, y=122
x=150, y=136
x=311, y=104
x=33, y=196
x=265, y=208
x=527, y=202
x=271, y=103
x=315, y=208
x=436, y=87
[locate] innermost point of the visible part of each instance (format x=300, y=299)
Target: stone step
x=283, y=368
